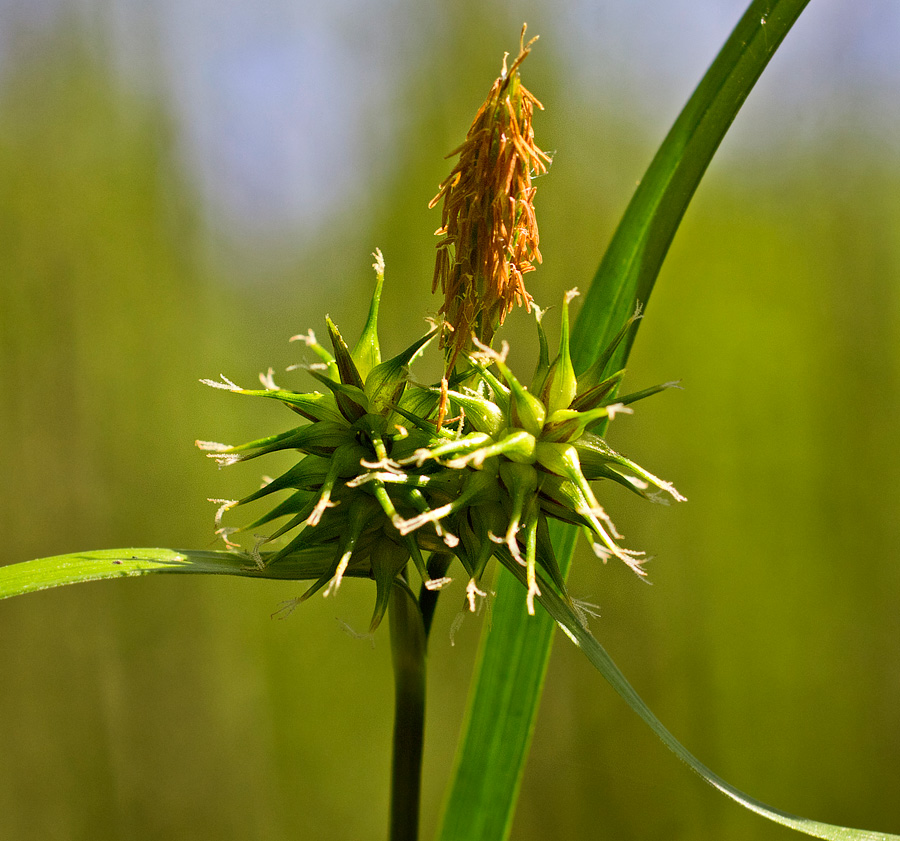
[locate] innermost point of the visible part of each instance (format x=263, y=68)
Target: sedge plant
x=411, y=485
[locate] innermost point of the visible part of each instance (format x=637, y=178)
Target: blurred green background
x=172, y=207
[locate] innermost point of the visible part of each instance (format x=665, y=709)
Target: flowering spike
x=385, y=476
x=488, y=228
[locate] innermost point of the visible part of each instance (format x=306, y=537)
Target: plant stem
x=438, y=564
x=408, y=655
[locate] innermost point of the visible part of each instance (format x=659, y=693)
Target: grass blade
x=601, y=660
x=43, y=573
x=500, y=718
x=515, y=650
x=635, y=255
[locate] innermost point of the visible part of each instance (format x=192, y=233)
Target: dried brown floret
x=488, y=228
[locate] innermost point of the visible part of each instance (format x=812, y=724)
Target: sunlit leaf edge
x=77, y=567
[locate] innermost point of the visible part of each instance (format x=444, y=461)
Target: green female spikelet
x=379, y=484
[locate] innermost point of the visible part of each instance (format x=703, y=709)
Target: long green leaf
x=515, y=650
x=41, y=574
x=601, y=660
x=512, y=662
x=635, y=255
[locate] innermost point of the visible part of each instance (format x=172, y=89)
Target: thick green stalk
x=438, y=564
x=408, y=655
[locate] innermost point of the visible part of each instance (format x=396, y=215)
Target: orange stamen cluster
x=490, y=236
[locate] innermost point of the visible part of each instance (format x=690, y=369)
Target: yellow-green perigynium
x=379, y=484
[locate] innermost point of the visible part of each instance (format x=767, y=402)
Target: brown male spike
x=488, y=228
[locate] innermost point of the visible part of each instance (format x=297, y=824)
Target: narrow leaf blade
x=632, y=261
x=625, y=279
x=600, y=659
x=77, y=567
x=512, y=663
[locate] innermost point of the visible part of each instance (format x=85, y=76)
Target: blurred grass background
x=133, y=263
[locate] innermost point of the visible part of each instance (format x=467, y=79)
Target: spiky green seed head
x=379, y=484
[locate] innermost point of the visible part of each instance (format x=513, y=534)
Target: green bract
x=379, y=484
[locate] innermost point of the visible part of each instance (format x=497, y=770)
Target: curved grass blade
x=600, y=659
x=635, y=255
x=43, y=573
x=514, y=652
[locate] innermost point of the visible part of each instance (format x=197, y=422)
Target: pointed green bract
x=386, y=382
x=366, y=352
x=560, y=386
x=346, y=367
x=388, y=560
x=596, y=395
x=543, y=364
x=596, y=374
x=351, y=400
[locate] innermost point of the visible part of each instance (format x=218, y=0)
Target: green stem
x=408, y=655
x=438, y=564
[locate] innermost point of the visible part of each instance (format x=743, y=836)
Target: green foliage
x=103, y=564
x=128, y=432
x=623, y=284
